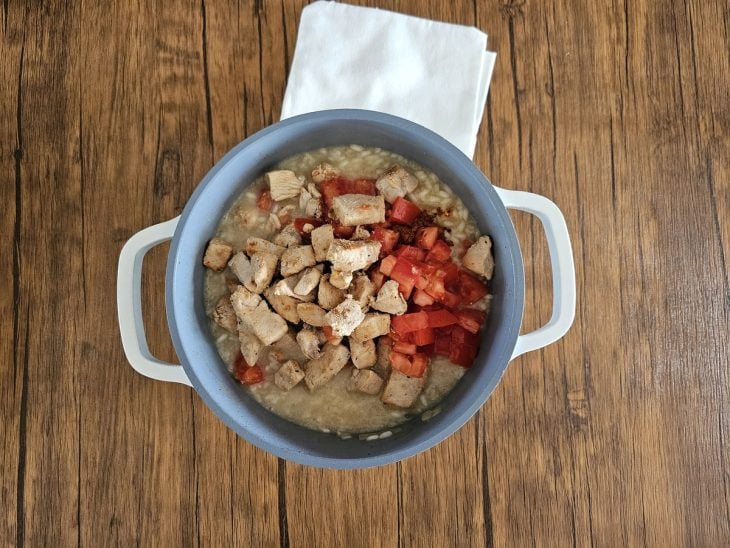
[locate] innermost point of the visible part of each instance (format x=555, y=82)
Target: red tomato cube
x=422, y=337
x=471, y=319
x=442, y=341
x=264, y=200
x=440, y=252
x=464, y=346
x=378, y=279
x=387, y=264
x=421, y=298
x=409, y=322
x=427, y=236
x=471, y=289
x=410, y=252
x=404, y=211
x=387, y=238
x=441, y=318
x=404, y=347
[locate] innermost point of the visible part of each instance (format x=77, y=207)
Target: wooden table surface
x=615, y=436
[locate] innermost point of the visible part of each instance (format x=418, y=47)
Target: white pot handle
x=129, y=304
x=561, y=259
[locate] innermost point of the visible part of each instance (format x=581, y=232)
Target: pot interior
x=212, y=198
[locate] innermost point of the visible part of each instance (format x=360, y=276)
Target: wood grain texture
x=616, y=435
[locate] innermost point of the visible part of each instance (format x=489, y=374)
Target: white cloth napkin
x=435, y=74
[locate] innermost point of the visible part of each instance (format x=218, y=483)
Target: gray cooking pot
x=201, y=366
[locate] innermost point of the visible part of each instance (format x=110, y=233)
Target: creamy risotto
x=347, y=288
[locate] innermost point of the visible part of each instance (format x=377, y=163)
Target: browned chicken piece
x=340, y=280
x=322, y=237
x=241, y=268
x=390, y=300
x=361, y=290
x=363, y=353
x=283, y=184
x=250, y=346
x=217, y=254
x=374, y=325
x=401, y=390
x=286, y=288
x=288, y=237
x=244, y=301
x=309, y=343
x=383, y=346
x=345, y=317
x=224, y=315
x=297, y=258
x=308, y=281
x=268, y=326
x=347, y=256
x=287, y=348
x=365, y=381
x=285, y=306
x=263, y=267
x=360, y=234
x=328, y=295
x=288, y=375
x=312, y=314
x=320, y=371
x=478, y=258
x=358, y=209
x=254, y=245
x=396, y=182
x=323, y=172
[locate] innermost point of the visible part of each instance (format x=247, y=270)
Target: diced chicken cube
x=361, y=290
x=312, y=314
x=283, y=184
x=254, y=245
x=268, y=326
x=309, y=343
x=287, y=348
x=263, y=266
x=322, y=237
x=323, y=172
x=288, y=375
x=363, y=353
x=347, y=256
x=478, y=258
x=285, y=306
x=244, y=301
x=321, y=370
x=286, y=287
x=396, y=182
x=308, y=281
x=241, y=268
x=345, y=317
x=374, y=325
x=383, y=347
x=328, y=295
x=401, y=390
x=358, y=209
x=340, y=280
x=297, y=258
x=288, y=237
x=217, y=254
x=390, y=300
x=250, y=346
x=365, y=381
x=224, y=315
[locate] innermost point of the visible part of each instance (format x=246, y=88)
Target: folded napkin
x=435, y=74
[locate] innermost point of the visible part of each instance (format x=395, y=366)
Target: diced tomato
x=422, y=337
x=246, y=374
x=427, y=236
x=435, y=286
x=404, y=347
x=405, y=290
x=378, y=279
x=428, y=350
x=342, y=231
x=419, y=362
x=387, y=264
x=464, y=346
x=441, y=318
x=414, y=366
x=410, y=252
x=442, y=342
x=339, y=186
x=409, y=322
x=387, y=238
x=421, y=298
x=405, y=273
x=425, y=272
x=451, y=300
x=451, y=274
x=471, y=288
x=400, y=337
x=471, y=319
x=299, y=223
x=403, y=211
x=440, y=252
x=264, y=200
